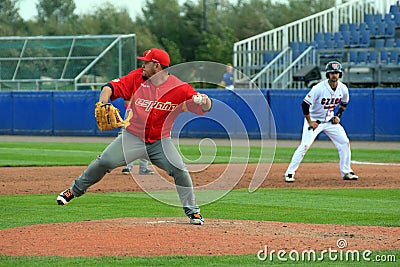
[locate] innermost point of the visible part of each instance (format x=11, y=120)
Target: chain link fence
x=64, y=62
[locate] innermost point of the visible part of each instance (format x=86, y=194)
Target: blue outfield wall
x=386, y=115
x=63, y=113
x=371, y=115
x=234, y=114
x=6, y=121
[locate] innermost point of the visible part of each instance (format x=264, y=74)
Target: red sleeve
x=125, y=85
x=191, y=106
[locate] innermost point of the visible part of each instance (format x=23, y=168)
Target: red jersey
x=153, y=109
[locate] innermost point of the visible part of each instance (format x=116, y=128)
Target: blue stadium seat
x=368, y=18
x=390, y=30
x=389, y=43
x=394, y=8
x=355, y=39
x=394, y=57
x=343, y=27
x=318, y=36
x=302, y=46
x=346, y=38
x=362, y=57
x=352, y=27
x=373, y=57
x=377, y=18
x=372, y=28
x=380, y=43
x=294, y=45
x=384, y=57
x=380, y=30
x=339, y=44
x=328, y=36
x=337, y=37
x=330, y=45
x=388, y=17
x=295, y=54
x=364, y=39
x=397, y=19
x=398, y=42
x=321, y=44
x=338, y=49
x=363, y=27
x=353, y=57
x=268, y=57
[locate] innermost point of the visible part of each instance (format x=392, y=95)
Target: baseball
x=198, y=99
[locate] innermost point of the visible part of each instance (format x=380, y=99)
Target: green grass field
x=15, y=154
x=362, y=206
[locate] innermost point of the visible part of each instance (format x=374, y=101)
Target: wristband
x=340, y=112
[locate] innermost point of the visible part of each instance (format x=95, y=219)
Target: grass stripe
x=238, y=260
x=324, y=206
x=63, y=154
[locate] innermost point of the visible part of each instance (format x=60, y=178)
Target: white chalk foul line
x=160, y=222
x=375, y=163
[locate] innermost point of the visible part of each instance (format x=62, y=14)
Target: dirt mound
x=171, y=236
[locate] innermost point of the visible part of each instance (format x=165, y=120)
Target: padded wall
x=386, y=115
x=7, y=118
x=234, y=114
x=371, y=115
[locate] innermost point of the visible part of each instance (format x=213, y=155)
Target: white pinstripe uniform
x=323, y=100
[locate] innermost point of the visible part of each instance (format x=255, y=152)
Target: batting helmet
x=335, y=67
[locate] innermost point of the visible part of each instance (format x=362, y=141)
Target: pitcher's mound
x=175, y=236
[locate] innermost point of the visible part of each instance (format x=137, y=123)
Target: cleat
x=350, y=176
x=126, y=170
x=65, y=197
x=146, y=172
x=196, y=219
x=289, y=178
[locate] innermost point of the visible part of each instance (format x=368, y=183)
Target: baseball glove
x=107, y=116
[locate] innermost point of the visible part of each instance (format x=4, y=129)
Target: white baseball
x=198, y=99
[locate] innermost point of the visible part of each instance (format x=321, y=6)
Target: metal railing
x=273, y=69
x=285, y=79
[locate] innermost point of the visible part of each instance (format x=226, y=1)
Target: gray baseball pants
x=127, y=148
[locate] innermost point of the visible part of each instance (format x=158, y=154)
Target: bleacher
x=368, y=45
x=369, y=50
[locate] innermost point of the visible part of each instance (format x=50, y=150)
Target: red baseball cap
x=156, y=55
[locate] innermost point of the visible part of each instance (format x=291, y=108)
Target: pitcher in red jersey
x=156, y=99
